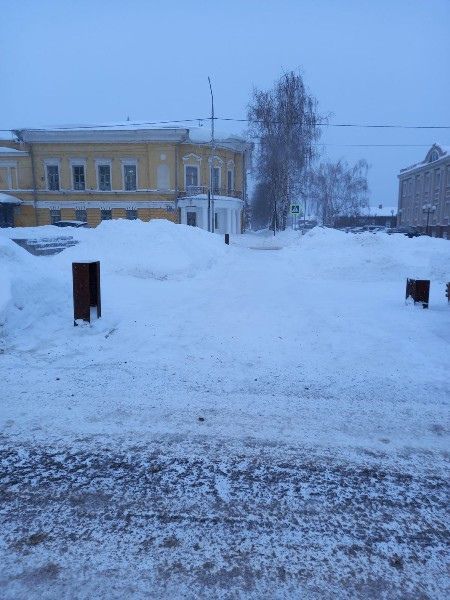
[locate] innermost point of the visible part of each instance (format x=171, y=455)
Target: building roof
x=435, y=153
x=381, y=211
x=7, y=199
x=6, y=151
x=130, y=132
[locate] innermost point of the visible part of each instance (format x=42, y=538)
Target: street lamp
x=427, y=209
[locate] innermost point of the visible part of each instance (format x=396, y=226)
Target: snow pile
x=333, y=254
x=32, y=299
x=36, y=292
x=158, y=249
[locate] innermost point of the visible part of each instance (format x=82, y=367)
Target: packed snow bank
x=158, y=249
x=333, y=254
x=13, y=260
x=36, y=292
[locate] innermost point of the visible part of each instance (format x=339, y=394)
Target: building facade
x=128, y=172
x=424, y=193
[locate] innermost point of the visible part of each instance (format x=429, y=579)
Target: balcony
x=197, y=190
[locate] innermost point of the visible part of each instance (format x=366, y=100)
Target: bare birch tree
x=339, y=189
x=283, y=122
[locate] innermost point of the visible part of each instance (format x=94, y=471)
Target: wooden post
x=418, y=290
x=86, y=290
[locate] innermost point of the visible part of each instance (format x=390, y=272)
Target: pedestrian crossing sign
x=295, y=209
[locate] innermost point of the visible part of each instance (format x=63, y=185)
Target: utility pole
x=211, y=168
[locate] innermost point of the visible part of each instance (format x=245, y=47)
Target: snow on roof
x=443, y=151
x=7, y=199
x=7, y=150
x=133, y=132
x=381, y=211
x=7, y=135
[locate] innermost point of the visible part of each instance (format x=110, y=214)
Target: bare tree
x=339, y=189
x=283, y=121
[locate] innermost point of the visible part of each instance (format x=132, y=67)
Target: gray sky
x=366, y=61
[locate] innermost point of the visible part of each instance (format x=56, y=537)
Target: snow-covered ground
x=242, y=421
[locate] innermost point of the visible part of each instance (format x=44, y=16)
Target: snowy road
x=239, y=423
x=216, y=519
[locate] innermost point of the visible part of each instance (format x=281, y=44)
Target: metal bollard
x=418, y=290
x=86, y=290
x=227, y=239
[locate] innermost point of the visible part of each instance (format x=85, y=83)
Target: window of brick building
x=55, y=215
x=52, y=177
x=81, y=214
x=104, y=177
x=130, y=177
x=79, y=182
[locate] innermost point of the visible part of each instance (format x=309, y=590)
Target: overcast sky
x=366, y=61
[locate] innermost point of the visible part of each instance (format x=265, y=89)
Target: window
x=230, y=183
x=81, y=214
x=191, y=219
x=104, y=177
x=434, y=156
x=191, y=175
x=417, y=186
x=8, y=176
x=132, y=214
x=215, y=178
x=78, y=177
x=130, y=177
x=106, y=214
x=55, y=215
x=404, y=184
x=437, y=179
x=53, y=177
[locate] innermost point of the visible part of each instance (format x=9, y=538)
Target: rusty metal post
x=86, y=290
x=227, y=239
x=419, y=291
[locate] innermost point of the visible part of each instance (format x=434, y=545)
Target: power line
x=103, y=126
x=359, y=125
x=236, y=120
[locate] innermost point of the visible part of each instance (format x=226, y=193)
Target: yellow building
x=94, y=174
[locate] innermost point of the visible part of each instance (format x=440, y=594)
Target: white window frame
x=126, y=163
x=52, y=162
x=9, y=166
x=211, y=177
x=230, y=170
x=185, y=175
x=78, y=162
x=104, y=162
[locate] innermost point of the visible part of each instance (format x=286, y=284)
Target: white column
x=205, y=217
x=183, y=215
x=228, y=221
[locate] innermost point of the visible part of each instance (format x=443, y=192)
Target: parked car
x=408, y=231
x=70, y=224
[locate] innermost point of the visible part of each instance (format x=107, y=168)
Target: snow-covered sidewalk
x=307, y=354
